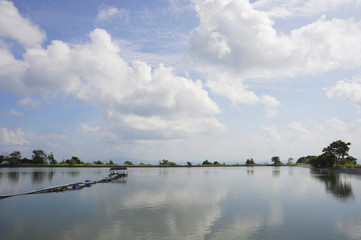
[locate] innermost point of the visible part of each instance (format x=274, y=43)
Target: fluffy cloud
x=111, y=12
x=129, y=95
x=236, y=40
x=10, y=70
x=284, y=8
x=10, y=137
x=100, y=132
x=348, y=91
x=271, y=132
x=233, y=36
x=326, y=45
x=232, y=88
x=338, y=125
x=13, y=25
x=271, y=105
x=297, y=132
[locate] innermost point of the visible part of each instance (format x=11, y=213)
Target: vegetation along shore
x=334, y=157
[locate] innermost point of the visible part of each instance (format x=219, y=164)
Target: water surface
x=183, y=203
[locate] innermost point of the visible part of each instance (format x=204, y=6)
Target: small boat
x=88, y=183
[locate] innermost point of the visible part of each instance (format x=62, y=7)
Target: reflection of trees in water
x=40, y=176
x=334, y=184
x=276, y=171
x=163, y=172
x=50, y=175
x=73, y=173
x=250, y=170
x=13, y=176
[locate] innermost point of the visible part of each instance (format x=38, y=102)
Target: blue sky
x=185, y=80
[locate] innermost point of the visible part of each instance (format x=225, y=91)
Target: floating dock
x=114, y=174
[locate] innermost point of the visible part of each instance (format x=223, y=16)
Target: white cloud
x=10, y=70
x=234, y=37
x=111, y=12
x=87, y=129
x=233, y=88
x=10, y=137
x=28, y=101
x=338, y=125
x=328, y=44
x=298, y=132
x=236, y=40
x=287, y=8
x=14, y=26
x=172, y=127
x=271, y=132
x=348, y=91
x=11, y=112
x=230, y=87
x=100, y=132
x=95, y=73
x=271, y=104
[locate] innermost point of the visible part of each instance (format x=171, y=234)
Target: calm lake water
x=183, y=203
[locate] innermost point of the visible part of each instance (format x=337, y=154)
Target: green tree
x=2, y=159
x=189, y=164
x=351, y=160
x=98, y=162
x=129, y=163
x=305, y=160
x=39, y=157
x=348, y=160
x=290, y=161
x=276, y=160
x=166, y=162
x=76, y=160
x=324, y=160
x=206, y=162
x=338, y=149
x=51, y=159
x=14, y=158
x=26, y=160
x=250, y=161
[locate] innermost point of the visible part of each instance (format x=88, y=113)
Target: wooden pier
x=114, y=174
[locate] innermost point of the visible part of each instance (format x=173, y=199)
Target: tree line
x=335, y=154
x=38, y=157
x=41, y=158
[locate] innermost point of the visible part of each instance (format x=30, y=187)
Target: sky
x=184, y=80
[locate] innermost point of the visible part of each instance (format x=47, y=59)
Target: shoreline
x=144, y=166
x=335, y=169
x=355, y=171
